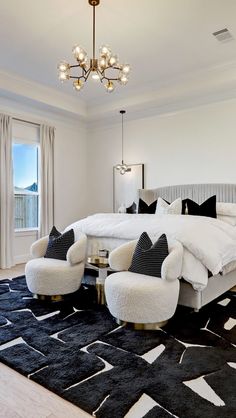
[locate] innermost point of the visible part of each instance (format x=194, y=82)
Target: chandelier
x=106, y=68
x=122, y=168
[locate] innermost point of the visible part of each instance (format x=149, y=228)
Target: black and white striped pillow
x=59, y=244
x=148, y=258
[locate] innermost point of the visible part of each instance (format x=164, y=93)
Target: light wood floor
x=23, y=398
x=13, y=272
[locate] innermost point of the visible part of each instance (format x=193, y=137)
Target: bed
x=111, y=230
x=217, y=284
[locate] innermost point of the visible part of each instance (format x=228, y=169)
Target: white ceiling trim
x=205, y=86
x=189, y=90
x=29, y=92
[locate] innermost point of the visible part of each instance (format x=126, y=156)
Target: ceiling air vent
x=223, y=35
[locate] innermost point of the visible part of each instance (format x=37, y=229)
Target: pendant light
x=122, y=168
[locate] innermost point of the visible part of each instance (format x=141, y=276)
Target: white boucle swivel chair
x=54, y=278
x=146, y=302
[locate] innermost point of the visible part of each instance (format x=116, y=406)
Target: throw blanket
x=209, y=244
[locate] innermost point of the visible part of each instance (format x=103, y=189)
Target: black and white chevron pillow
x=148, y=258
x=59, y=244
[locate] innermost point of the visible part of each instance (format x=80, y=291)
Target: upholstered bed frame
x=198, y=192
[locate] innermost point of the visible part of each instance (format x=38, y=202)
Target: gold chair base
x=139, y=326
x=47, y=298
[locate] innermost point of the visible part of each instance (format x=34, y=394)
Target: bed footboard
x=217, y=285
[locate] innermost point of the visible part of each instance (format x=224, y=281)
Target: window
x=25, y=180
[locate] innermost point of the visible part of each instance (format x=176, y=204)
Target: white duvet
x=209, y=244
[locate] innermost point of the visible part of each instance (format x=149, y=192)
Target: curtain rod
x=26, y=121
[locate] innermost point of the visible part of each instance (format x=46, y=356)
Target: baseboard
x=20, y=259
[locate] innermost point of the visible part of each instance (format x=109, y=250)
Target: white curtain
x=47, y=134
x=6, y=193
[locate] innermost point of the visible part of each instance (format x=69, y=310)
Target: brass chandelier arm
x=78, y=77
x=108, y=78
x=87, y=74
x=100, y=75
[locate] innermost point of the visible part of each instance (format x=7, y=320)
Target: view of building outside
x=25, y=169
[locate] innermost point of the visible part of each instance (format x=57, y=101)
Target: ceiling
x=163, y=40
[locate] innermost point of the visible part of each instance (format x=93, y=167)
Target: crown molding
x=40, y=96
x=187, y=91
x=184, y=92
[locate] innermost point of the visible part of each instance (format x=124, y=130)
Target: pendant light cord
x=122, y=136
x=93, y=32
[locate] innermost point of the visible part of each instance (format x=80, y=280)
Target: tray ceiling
x=163, y=40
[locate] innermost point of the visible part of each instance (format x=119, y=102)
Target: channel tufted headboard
x=196, y=192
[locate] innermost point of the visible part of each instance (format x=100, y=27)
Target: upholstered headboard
x=196, y=192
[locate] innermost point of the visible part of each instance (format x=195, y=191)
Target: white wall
x=70, y=174
x=192, y=146
x=70, y=169
x=196, y=145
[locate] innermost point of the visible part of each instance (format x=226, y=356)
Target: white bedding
x=209, y=244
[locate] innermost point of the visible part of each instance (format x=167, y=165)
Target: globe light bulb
x=102, y=63
x=109, y=86
x=81, y=56
x=78, y=84
x=105, y=51
x=84, y=62
x=63, y=66
x=122, y=171
x=118, y=167
x=124, y=167
x=125, y=68
x=113, y=60
x=63, y=76
x=79, y=53
x=95, y=76
x=76, y=50
x=123, y=79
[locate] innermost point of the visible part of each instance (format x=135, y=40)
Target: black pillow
x=59, y=244
x=132, y=208
x=148, y=258
x=143, y=207
x=207, y=208
x=184, y=205
x=54, y=233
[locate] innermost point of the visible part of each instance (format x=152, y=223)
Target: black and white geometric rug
x=75, y=349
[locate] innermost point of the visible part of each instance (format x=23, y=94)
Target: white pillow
x=163, y=208
x=231, y=220
x=226, y=209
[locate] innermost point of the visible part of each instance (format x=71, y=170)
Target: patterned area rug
x=76, y=350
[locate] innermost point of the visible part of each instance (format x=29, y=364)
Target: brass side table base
x=47, y=298
x=139, y=326
x=101, y=299
x=101, y=265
